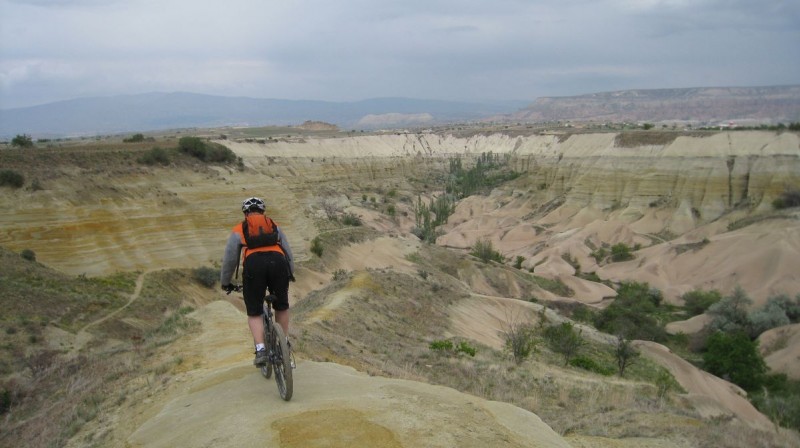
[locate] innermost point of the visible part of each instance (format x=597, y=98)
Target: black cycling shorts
x=265, y=271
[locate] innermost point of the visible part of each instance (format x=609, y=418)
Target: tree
x=519, y=338
x=625, y=353
x=733, y=356
x=564, y=340
x=621, y=252
x=484, y=250
x=22, y=141
x=730, y=313
x=698, y=301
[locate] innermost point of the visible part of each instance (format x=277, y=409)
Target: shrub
x=135, y=138
x=632, y=314
x=518, y=261
x=447, y=346
x=789, y=306
x=780, y=400
x=771, y=315
x=156, y=156
x=442, y=345
x=22, y=141
x=484, y=250
x=730, y=313
x=519, y=340
x=206, y=276
x=207, y=152
x=625, y=353
x=733, y=356
x=316, y=246
x=586, y=363
x=789, y=198
x=339, y=274
x=698, y=301
x=599, y=254
x=28, y=255
x=351, y=219
x=11, y=178
x=621, y=252
x=464, y=347
x=564, y=340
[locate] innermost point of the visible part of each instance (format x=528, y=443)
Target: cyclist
x=267, y=265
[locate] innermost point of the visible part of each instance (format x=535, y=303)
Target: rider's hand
x=291, y=277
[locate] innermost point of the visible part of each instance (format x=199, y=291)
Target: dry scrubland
x=110, y=340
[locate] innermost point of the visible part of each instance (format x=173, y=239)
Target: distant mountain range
x=161, y=111
x=707, y=105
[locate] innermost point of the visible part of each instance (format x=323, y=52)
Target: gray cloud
x=356, y=49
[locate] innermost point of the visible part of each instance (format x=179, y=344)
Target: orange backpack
x=259, y=231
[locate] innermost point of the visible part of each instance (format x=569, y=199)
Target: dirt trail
x=225, y=402
x=82, y=337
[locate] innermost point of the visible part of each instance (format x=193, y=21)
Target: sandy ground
x=224, y=401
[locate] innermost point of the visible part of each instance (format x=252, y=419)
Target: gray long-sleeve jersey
x=233, y=250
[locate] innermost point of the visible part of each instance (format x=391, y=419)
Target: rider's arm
x=233, y=249
x=287, y=249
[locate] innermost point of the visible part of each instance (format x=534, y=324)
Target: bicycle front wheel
x=281, y=363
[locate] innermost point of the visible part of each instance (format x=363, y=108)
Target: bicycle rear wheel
x=282, y=363
x=266, y=369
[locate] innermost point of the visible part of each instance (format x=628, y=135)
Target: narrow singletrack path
x=83, y=336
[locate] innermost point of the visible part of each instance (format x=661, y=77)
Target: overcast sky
x=348, y=50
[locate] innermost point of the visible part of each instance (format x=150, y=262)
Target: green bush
x=135, y=138
x=564, y=339
x=789, y=306
x=316, y=246
x=444, y=345
x=771, y=315
x=28, y=255
x=464, y=347
x=156, y=156
x=789, y=198
x=733, y=356
x=441, y=345
x=519, y=340
x=625, y=353
x=731, y=313
x=11, y=178
x=484, y=250
x=780, y=400
x=207, y=152
x=586, y=363
x=206, y=276
x=698, y=301
x=633, y=314
x=22, y=141
x=621, y=252
x=351, y=219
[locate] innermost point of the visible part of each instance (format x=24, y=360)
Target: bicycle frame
x=278, y=356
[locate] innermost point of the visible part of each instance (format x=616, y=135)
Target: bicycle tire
x=282, y=363
x=266, y=369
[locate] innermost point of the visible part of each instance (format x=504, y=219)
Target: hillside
x=698, y=206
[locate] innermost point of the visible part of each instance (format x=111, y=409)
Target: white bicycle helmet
x=253, y=204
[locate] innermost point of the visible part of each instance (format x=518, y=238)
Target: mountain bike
x=279, y=357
